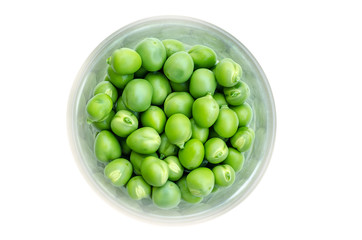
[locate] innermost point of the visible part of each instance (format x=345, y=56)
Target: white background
x=311, y=53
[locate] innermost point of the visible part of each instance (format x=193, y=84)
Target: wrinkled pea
x=106, y=146
x=137, y=188
x=200, y=181
x=137, y=95
x=243, y=139
x=119, y=171
x=124, y=123
x=167, y=148
x=154, y=171
x=178, y=129
x=185, y=192
x=178, y=102
x=144, y=140
x=192, y=154
x=227, y=72
x=167, y=196
x=179, y=67
x=155, y=118
x=227, y=122
x=205, y=111
x=203, y=57
x=244, y=113
x=237, y=94
x=99, y=107
x=202, y=82
x=216, y=150
x=175, y=169
x=161, y=87
x=152, y=52
x=125, y=61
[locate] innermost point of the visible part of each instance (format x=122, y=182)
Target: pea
x=243, y=139
x=220, y=99
x=106, y=146
x=227, y=122
x=140, y=73
x=172, y=46
x=125, y=61
x=228, y=73
x=216, y=150
x=120, y=81
x=205, y=111
x=192, y=154
x=224, y=175
x=213, y=134
x=179, y=67
x=202, y=82
x=99, y=107
x=119, y=171
x=167, y=148
x=178, y=102
x=107, y=88
x=144, y=140
x=126, y=150
x=235, y=159
x=175, y=169
x=180, y=87
x=137, y=159
x=154, y=171
x=204, y=57
x=185, y=192
x=200, y=181
x=244, y=113
x=137, y=188
x=166, y=197
x=198, y=132
x=161, y=87
x=178, y=129
x=137, y=95
x=121, y=106
x=155, y=118
x=106, y=123
x=153, y=54
x=237, y=94
x=124, y=123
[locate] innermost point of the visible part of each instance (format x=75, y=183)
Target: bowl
x=190, y=31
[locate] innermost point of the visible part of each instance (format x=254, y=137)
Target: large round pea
x=107, y=88
x=144, y=140
x=124, y=123
x=192, y=154
x=220, y=99
x=224, y=175
x=161, y=87
x=204, y=57
x=137, y=188
x=118, y=80
x=168, y=196
x=175, y=169
x=152, y=52
x=172, y=46
x=228, y=73
x=137, y=95
x=99, y=107
x=137, y=159
x=106, y=123
x=121, y=106
x=227, y=122
x=198, y=132
x=154, y=171
x=244, y=113
x=202, y=82
x=178, y=102
x=119, y=171
x=185, y=192
x=200, y=181
x=155, y=118
x=179, y=67
x=237, y=94
x=180, y=87
x=125, y=61
x=178, y=129
x=216, y=150
x=205, y=111
x=235, y=159
x=167, y=148
x=243, y=139
x=106, y=146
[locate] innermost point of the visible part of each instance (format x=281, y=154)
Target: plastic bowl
x=190, y=31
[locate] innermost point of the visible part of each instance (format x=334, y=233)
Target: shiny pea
x=235, y=159
x=198, y=132
x=175, y=169
x=144, y=140
x=137, y=188
x=226, y=123
x=216, y=150
x=161, y=87
x=118, y=80
x=155, y=118
x=107, y=88
x=200, y=181
x=244, y=113
x=227, y=72
x=205, y=111
x=192, y=155
x=202, y=82
x=99, y=107
x=124, y=123
x=154, y=171
x=152, y=52
x=137, y=95
x=125, y=61
x=203, y=57
x=224, y=175
x=119, y=171
x=167, y=148
x=179, y=67
x=220, y=99
x=178, y=102
x=180, y=87
x=243, y=139
x=185, y=192
x=137, y=159
x=178, y=129
x=106, y=123
x=106, y=146
x=167, y=196
x=172, y=46
x=237, y=94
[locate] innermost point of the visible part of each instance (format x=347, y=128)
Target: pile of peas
x=173, y=124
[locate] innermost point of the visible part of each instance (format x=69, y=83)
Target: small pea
x=244, y=113
x=220, y=99
x=198, y=132
x=243, y=139
x=137, y=95
x=227, y=122
x=224, y=175
x=124, y=123
x=202, y=82
x=178, y=102
x=106, y=123
x=167, y=196
x=119, y=171
x=192, y=155
x=237, y=94
x=106, y=146
x=227, y=72
x=203, y=57
x=235, y=159
x=179, y=67
x=125, y=61
x=144, y=140
x=172, y=46
x=167, y=148
x=152, y=52
x=178, y=129
x=205, y=111
x=118, y=80
x=107, y=88
x=99, y=107
x=155, y=118
x=137, y=188
x=154, y=171
x=200, y=181
x=185, y=192
x=137, y=159
x=161, y=87
x=216, y=150
x=175, y=169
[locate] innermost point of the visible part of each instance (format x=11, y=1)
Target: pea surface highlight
x=119, y=171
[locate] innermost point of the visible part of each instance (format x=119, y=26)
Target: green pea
x=180, y=87
x=216, y=150
x=106, y=146
x=244, y=113
x=227, y=122
x=179, y=67
x=228, y=73
x=175, y=169
x=99, y=107
x=198, y=132
x=137, y=188
x=172, y=46
x=220, y=99
x=107, y=88
x=192, y=155
x=161, y=87
x=202, y=82
x=200, y=181
x=243, y=139
x=185, y=192
x=140, y=73
x=137, y=159
x=124, y=123
x=125, y=61
x=137, y=95
x=237, y=94
x=204, y=57
x=205, y=111
x=106, y=123
x=224, y=175
x=235, y=159
x=121, y=106
x=119, y=171
x=167, y=148
x=152, y=52
x=155, y=118
x=178, y=102
x=144, y=140
x=168, y=196
x=126, y=150
x=213, y=134
x=178, y=129
x=118, y=80
x=154, y=171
